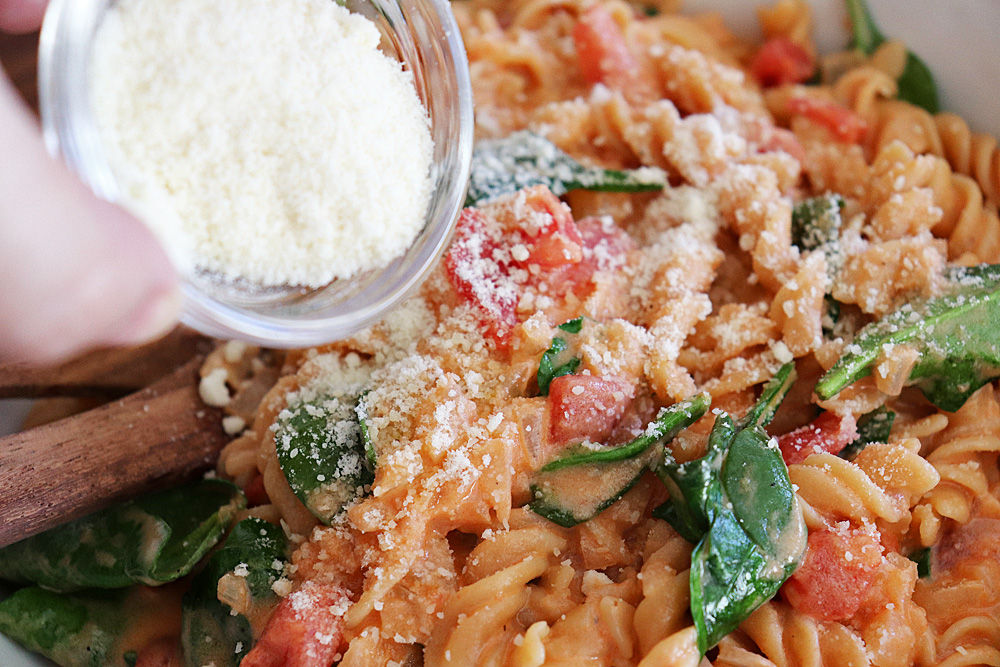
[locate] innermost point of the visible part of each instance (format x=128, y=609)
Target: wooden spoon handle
x=113, y=372
x=156, y=438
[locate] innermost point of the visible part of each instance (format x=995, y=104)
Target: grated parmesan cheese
x=269, y=140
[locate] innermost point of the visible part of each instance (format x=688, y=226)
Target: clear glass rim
x=70, y=133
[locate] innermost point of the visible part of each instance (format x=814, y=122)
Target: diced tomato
x=828, y=433
x=528, y=241
x=255, y=492
x=782, y=61
x=305, y=629
x=556, y=242
x=604, y=249
x=780, y=139
x=584, y=407
x=556, y=250
x=836, y=572
x=602, y=52
x=532, y=230
x=160, y=653
x=843, y=123
x=479, y=279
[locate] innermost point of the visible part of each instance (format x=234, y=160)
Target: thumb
x=21, y=15
x=78, y=272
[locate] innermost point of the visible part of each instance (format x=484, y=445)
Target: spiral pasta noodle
x=964, y=457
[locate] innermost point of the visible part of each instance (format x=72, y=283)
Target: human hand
x=77, y=272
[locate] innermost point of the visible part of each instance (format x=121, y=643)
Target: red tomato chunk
x=782, y=61
x=584, y=407
x=828, y=433
x=780, y=139
x=526, y=242
x=843, y=124
x=603, y=54
x=304, y=631
x=479, y=279
x=836, y=572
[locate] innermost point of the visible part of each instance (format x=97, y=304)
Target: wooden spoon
x=109, y=373
x=156, y=438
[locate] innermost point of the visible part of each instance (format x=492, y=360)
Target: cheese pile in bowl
x=268, y=142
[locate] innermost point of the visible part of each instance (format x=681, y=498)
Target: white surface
x=956, y=39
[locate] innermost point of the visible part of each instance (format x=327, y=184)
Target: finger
x=21, y=15
x=77, y=272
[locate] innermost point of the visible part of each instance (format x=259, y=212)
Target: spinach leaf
x=523, y=159
x=549, y=367
x=371, y=455
x=816, y=222
x=916, y=83
x=957, y=335
x=922, y=557
x=770, y=398
x=571, y=496
x=866, y=37
x=555, y=362
x=755, y=479
x=873, y=426
x=578, y=487
x=150, y=540
x=321, y=450
x=831, y=316
x=211, y=631
x=664, y=428
x=730, y=579
x=695, y=487
x=573, y=326
x=737, y=504
x=72, y=630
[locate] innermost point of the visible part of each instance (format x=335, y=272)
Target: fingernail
x=156, y=320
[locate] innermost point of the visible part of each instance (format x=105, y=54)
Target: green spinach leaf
x=695, y=487
x=549, y=366
x=150, y=540
x=730, y=578
x=916, y=83
x=72, y=630
x=816, y=222
x=956, y=334
x=322, y=451
x=664, y=428
x=873, y=426
x=737, y=505
x=922, y=557
x=770, y=398
x=755, y=480
x=211, y=631
x=371, y=455
x=578, y=487
x=573, y=326
x=524, y=159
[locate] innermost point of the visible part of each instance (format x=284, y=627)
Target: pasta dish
x=705, y=378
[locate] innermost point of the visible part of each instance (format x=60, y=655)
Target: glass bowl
x=423, y=35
